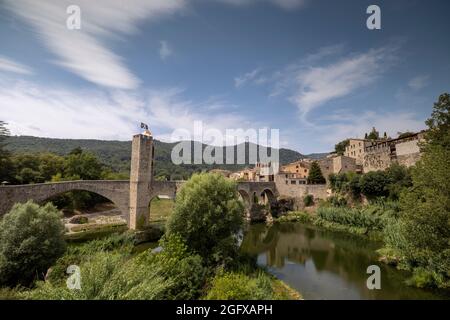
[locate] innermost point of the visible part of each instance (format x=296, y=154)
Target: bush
x=308, y=200
x=239, y=286
x=108, y=272
x=369, y=218
x=106, y=276
x=374, y=184
x=31, y=239
x=208, y=216
x=337, y=201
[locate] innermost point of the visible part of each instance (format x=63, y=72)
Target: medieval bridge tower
x=142, y=153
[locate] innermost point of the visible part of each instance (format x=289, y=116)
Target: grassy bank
x=368, y=221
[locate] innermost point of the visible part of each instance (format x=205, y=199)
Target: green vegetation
x=340, y=147
x=161, y=209
x=374, y=185
x=31, y=239
x=373, y=135
x=240, y=286
x=308, y=200
x=208, y=215
x=420, y=239
x=315, y=174
x=5, y=157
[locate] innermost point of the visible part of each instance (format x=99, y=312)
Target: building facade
x=404, y=151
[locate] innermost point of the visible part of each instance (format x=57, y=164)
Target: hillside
x=116, y=154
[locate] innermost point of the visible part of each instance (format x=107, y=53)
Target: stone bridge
x=132, y=197
x=118, y=192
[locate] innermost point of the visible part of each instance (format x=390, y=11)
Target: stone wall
x=408, y=152
x=337, y=165
x=377, y=157
x=318, y=191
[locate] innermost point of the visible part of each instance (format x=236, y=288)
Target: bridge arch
x=115, y=191
x=267, y=196
x=245, y=198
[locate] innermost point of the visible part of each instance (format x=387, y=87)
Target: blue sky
x=308, y=68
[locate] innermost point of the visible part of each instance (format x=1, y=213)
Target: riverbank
x=315, y=220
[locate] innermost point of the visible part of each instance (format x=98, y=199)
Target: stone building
x=300, y=168
x=338, y=164
x=405, y=151
x=356, y=148
x=260, y=173
x=245, y=175
x=291, y=185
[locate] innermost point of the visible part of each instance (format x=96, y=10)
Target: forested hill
x=116, y=154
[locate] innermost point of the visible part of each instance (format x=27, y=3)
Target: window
x=286, y=181
x=293, y=182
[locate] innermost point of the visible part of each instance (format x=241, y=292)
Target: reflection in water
x=326, y=265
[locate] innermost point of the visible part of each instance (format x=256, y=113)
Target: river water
x=322, y=264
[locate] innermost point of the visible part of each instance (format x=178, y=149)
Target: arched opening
x=267, y=197
x=160, y=208
x=82, y=207
x=245, y=198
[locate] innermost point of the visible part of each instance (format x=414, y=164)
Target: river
x=322, y=264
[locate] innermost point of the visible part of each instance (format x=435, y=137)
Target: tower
x=140, y=179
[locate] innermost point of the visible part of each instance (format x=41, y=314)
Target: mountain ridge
x=116, y=154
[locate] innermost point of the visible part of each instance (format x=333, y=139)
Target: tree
x=399, y=179
x=340, y=147
x=31, y=239
x=424, y=227
x=404, y=134
x=82, y=166
x=374, y=184
x=6, y=166
x=208, y=216
x=373, y=135
x=315, y=174
x=439, y=123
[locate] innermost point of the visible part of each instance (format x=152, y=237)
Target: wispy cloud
x=284, y=4
x=9, y=65
x=311, y=83
x=85, y=52
x=165, y=50
x=419, y=82
x=245, y=78
x=32, y=109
